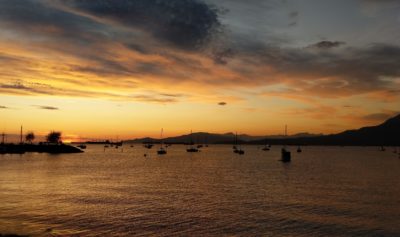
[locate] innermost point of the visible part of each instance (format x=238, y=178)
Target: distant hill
x=387, y=133
x=200, y=137
x=212, y=138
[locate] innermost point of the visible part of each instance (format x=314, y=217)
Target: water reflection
x=324, y=191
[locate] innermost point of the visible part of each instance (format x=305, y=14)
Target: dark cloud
x=222, y=103
x=155, y=98
x=16, y=85
x=293, y=14
x=187, y=24
x=35, y=89
x=221, y=56
x=86, y=28
x=45, y=107
x=20, y=88
x=138, y=48
x=171, y=95
x=346, y=72
x=41, y=17
x=3, y=107
x=327, y=44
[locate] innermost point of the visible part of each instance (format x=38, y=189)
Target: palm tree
x=54, y=137
x=29, y=137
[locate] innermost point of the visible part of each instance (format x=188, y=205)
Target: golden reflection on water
x=325, y=191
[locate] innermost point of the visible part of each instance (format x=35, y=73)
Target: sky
x=127, y=68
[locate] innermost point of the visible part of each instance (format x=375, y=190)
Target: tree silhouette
x=29, y=137
x=54, y=137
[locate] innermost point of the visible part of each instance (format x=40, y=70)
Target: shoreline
x=40, y=148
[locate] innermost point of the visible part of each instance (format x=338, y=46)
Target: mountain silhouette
x=199, y=137
x=214, y=138
x=387, y=133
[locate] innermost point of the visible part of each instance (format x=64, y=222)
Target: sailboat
x=286, y=155
x=266, y=147
x=148, y=145
x=299, y=149
x=236, y=148
x=162, y=150
x=192, y=148
x=82, y=146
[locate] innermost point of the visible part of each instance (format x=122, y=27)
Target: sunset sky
x=127, y=68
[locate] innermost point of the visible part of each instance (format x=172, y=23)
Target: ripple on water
x=327, y=191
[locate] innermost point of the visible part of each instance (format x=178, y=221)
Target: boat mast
x=162, y=129
x=285, y=135
x=20, y=138
x=236, y=140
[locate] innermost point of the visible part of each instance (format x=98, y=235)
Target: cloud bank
x=145, y=49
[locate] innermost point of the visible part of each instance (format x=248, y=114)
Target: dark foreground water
x=325, y=191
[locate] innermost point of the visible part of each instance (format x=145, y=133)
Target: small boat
x=382, y=148
x=286, y=155
x=131, y=145
x=192, y=148
x=299, y=149
x=148, y=146
x=240, y=152
x=236, y=148
x=105, y=146
x=199, y=146
x=266, y=148
x=162, y=150
x=82, y=146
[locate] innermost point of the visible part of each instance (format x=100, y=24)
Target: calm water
x=325, y=191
